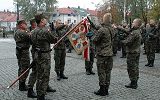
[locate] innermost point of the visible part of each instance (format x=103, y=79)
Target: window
x=69, y=20
x=74, y=21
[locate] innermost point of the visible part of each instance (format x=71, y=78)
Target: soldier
x=115, y=41
x=60, y=51
x=41, y=39
x=150, y=43
x=32, y=76
x=133, y=43
x=123, y=37
x=103, y=41
x=33, y=24
x=89, y=64
x=21, y=37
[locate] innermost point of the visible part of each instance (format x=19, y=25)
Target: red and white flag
x=79, y=40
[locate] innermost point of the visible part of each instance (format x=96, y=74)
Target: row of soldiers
x=40, y=36
x=150, y=39
x=104, y=39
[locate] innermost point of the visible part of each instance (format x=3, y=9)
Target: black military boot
x=132, y=85
x=42, y=97
x=23, y=86
x=31, y=93
x=58, y=76
x=151, y=63
x=62, y=75
x=88, y=72
x=49, y=89
x=148, y=63
x=91, y=72
x=102, y=91
x=107, y=87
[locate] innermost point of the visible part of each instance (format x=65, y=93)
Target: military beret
x=89, y=34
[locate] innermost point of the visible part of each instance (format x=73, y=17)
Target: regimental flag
x=79, y=40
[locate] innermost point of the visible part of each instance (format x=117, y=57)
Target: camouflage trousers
x=59, y=58
x=33, y=74
x=132, y=66
x=43, y=74
x=89, y=64
x=123, y=49
x=32, y=77
x=23, y=63
x=104, y=67
x=150, y=50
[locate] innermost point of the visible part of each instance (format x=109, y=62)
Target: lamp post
x=17, y=12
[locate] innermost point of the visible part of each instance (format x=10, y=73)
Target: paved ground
x=80, y=86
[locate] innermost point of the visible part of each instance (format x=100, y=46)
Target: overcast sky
x=8, y=4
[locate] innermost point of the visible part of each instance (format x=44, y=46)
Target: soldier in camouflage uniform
x=32, y=76
x=122, y=36
x=133, y=43
x=60, y=51
x=21, y=37
x=150, y=43
x=41, y=39
x=103, y=41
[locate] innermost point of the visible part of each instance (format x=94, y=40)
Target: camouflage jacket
x=150, y=34
x=22, y=39
x=41, y=38
x=60, y=31
x=133, y=41
x=103, y=40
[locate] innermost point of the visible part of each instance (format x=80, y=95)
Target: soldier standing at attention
x=21, y=38
x=151, y=42
x=41, y=39
x=133, y=43
x=103, y=42
x=60, y=51
x=32, y=76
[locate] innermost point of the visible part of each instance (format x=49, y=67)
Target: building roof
x=66, y=11
x=8, y=16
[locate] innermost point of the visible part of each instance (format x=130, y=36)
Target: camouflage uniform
x=115, y=42
x=122, y=36
x=60, y=53
x=150, y=45
x=41, y=39
x=103, y=42
x=133, y=43
x=22, y=53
